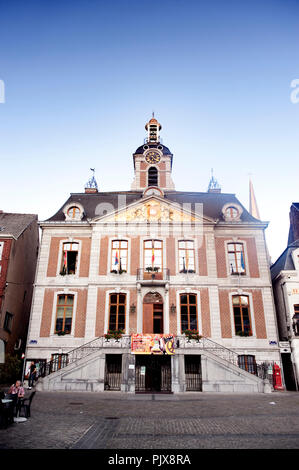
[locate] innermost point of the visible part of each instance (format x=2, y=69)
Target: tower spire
x=214, y=186
x=91, y=185
x=253, y=209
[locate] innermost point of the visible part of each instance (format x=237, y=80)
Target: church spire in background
x=253, y=209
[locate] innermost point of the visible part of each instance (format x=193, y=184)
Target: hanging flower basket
x=192, y=334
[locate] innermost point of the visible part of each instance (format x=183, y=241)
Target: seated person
x=17, y=389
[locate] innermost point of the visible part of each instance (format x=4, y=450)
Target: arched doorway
x=153, y=313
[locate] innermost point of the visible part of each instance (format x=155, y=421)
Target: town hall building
x=153, y=289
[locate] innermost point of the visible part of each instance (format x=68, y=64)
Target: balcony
x=153, y=277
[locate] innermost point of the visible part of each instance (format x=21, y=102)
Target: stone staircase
x=85, y=367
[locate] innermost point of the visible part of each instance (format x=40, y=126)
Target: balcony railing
x=153, y=275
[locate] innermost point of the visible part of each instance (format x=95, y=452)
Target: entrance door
x=113, y=372
x=288, y=372
x=153, y=313
x=153, y=374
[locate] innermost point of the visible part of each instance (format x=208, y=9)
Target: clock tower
x=152, y=161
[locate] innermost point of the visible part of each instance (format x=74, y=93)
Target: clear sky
x=82, y=78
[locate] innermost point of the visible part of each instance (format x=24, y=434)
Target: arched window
x=152, y=176
x=186, y=256
x=153, y=255
x=119, y=256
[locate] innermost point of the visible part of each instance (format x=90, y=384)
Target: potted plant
x=192, y=334
x=115, y=334
x=61, y=333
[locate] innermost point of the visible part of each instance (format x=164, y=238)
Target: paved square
x=112, y=420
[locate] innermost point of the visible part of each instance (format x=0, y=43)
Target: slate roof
x=212, y=203
x=15, y=224
x=285, y=260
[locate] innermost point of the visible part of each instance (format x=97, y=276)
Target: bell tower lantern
x=152, y=161
x=153, y=127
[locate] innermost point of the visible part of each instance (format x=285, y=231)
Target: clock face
x=153, y=156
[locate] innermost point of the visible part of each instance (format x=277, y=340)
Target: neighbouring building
x=159, y=265
x=285, y=279
x=19, y=242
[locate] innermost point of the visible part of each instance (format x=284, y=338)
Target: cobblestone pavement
x=75, y=420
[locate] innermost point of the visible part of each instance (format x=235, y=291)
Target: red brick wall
x=53, y=256
x=45, y=327
x=205, y=312
x=225, y=317
x=100, y=320
x=4, y=264
x=135, y=255
x=221, y=256
x=81, y=313
x=170, y=255
x=202, y=257
x=103, y=256
x=252, y=257
x=85, y=256
x=258, y=312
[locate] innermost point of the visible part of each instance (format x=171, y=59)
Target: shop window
x=236, y=258
x=242, y=315
x=64, y=314
x=69, y=258
x=188, y=305
x=119, y=256
x=117, y=311
x=186, y=256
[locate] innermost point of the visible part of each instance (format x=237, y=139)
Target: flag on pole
x=153, y=255
x=184, y=267
x=116, y=257
x=242, y=261
x=187, y=259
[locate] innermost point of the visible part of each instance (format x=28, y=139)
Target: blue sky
x=82, y=78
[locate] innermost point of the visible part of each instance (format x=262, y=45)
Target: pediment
x=154, y=210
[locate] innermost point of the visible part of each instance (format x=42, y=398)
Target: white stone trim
x=64, y=291
x=188, y=290
x=60, y=254
x=251, y=313
x=117, y=290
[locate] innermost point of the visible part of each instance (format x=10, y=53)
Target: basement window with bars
x=69, y=258
x=247, y=362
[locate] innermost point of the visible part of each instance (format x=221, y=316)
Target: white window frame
x=252, y=319
x=198, y=307
x=228, y=270
x=125, y=239
x=117, y=291
x=60, y=257
x=56, y=294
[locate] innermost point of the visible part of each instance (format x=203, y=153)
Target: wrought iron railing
x=209, y=345
x=83, y=351
x=152, y=274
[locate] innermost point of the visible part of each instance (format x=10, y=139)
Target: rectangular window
x=153, y=255
x=58, y=361
x=64, y=314
x=117, y=311
x=119, y=256
x=8, y=322
x=186, y=256
x=188, y=304
x=1, y=249
x=236, y=258
x=242, y=315
x=247, y=362
x=69, y=258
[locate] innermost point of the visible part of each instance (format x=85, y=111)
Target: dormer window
x=74, y=212
x=232, y=212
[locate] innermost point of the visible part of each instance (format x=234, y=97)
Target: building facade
x=19, y=242
x=153, y=263
x=285, y=279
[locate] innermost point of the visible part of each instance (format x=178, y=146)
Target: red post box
x=277, y=380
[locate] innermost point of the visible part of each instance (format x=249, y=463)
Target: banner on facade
x=152, y=344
